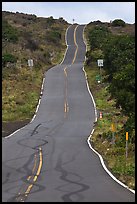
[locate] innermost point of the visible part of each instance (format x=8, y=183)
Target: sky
x=81, y=12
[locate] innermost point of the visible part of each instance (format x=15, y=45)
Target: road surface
x=49, y=160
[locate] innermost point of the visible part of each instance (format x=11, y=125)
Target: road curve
x=49, y=159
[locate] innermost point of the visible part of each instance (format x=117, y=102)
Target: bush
x=97, y=37
x=8, y=58
x=94, y=55
x=8, y=32
x=118, y=22
x=50, y=21
x=53, y=36
x=61, y=20
x=47, y=57
x=32, y=44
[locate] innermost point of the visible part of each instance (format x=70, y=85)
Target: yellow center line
x=66, y=107
x=40, y=165
x=75, y=44
x=37, y=174
x=20, y=194
x=65, y=72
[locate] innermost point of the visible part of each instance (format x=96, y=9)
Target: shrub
x=32, y=44
x=94, y=55
x=8, y=58
x=50, y=21
x=8, y=32
x=53, y=36
x=47, y=57
x=97, y=37
x=118, y=22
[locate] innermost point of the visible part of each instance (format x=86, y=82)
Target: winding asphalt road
x=49, y=159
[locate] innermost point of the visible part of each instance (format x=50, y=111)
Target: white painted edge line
x=88, y=140
x=91, y=95
x=39, y=100
x=41, y=91
x=14, y=132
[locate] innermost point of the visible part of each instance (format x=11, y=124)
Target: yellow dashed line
x=65, y=72
x=65, y=107
x=28, y=189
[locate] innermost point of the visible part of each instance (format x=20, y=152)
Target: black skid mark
x=34, y=132
x=35, y=129
x=64, y=176
x=49, y=133
x=26, y=182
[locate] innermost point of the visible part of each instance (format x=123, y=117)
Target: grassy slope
x=21, y=85
x=114, y=155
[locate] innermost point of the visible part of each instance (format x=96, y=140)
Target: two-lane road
x=49, y=160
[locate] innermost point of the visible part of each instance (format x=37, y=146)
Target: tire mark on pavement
x=69, y=197
x=30, y=179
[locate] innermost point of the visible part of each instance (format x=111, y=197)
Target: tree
x=119, y=51
x=97, y=37
x=119, y=55
x=118, y=22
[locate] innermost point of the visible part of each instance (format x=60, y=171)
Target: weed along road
x=49, y=160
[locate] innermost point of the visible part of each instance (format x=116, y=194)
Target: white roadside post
x=100, y=64
x=30, y=64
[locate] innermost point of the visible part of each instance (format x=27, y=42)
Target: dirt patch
x=10, y=127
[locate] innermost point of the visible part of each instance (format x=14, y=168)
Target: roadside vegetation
x=27, y=37
x=113, y=88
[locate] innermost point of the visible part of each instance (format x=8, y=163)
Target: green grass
x=114, y=155
x=20, y=94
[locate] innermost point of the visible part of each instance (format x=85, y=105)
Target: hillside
x=26, y=37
